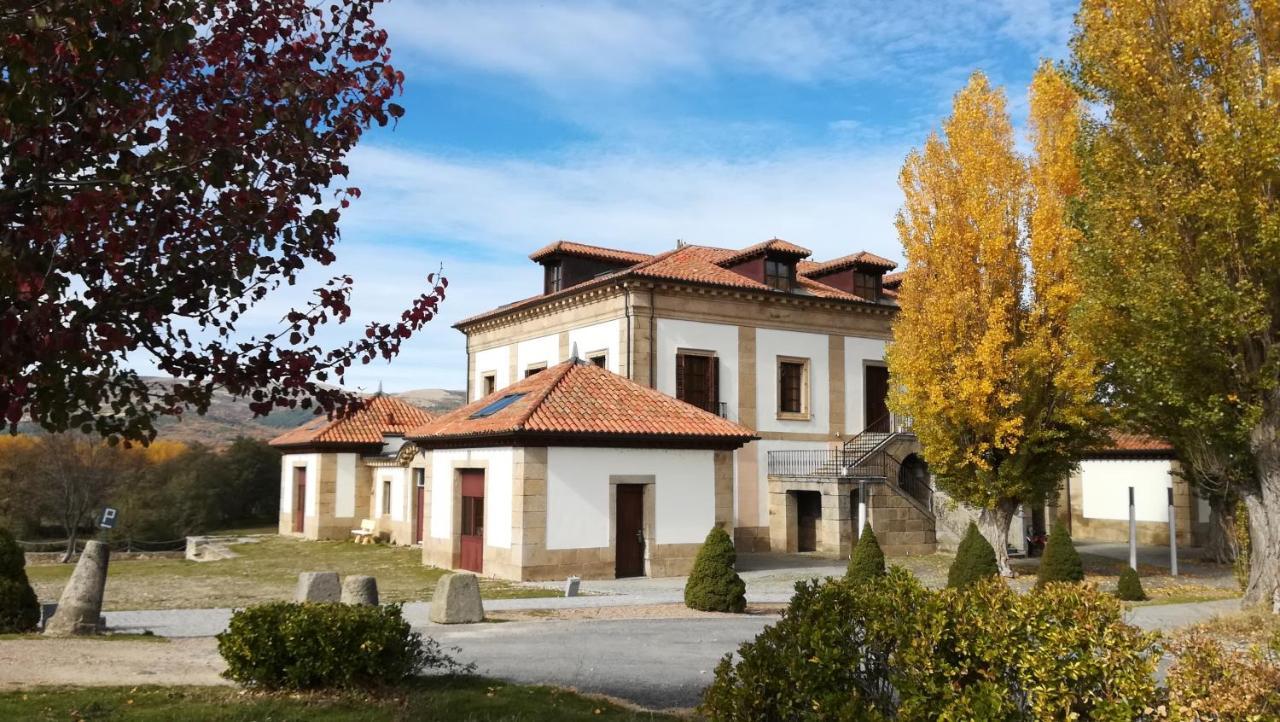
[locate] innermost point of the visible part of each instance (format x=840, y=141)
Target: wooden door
x=419, y=495
x=299, y=498
x=808, y=512
x=875, y=394
x=629, y=543
x=472, y=532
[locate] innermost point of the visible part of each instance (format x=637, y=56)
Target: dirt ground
x=111, y=663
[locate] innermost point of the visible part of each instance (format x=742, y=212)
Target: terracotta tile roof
x=893, y=280
x=1125, y=443
x=577, y=398
x=380, y=415
x=585, y=251
x=693, y=264
x=839, y=264
x=773, y=245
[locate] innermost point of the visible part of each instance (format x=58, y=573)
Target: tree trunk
x=1264, y=516
x=994, y=525
x=1220, y=546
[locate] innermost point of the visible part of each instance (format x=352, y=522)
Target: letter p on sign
x=108, y=518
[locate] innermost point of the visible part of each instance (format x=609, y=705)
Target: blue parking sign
x=108, y=520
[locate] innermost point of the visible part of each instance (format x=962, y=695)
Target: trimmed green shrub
x=1130, y=587
x=326, y=646
x=867, y=560
x=975, y=559
x=713, y=585
x=896, y=650
x=1061, y=562
x=19, y=608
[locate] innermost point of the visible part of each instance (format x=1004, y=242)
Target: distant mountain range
x=228, y=418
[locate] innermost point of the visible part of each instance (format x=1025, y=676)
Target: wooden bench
x=365, y=534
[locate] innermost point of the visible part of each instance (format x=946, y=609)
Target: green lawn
x=457, y=699
x=264, y=571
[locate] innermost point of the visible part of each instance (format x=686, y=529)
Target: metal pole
x=862, y=506
x=1173, y=537
x=1133, y=533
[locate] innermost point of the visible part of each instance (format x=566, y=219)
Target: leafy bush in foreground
x=713, y=585
x=1207, y=682
x=325, y=646
x=975, y=560
x=895, y=650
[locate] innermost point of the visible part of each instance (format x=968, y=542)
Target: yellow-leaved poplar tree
x=1181, y=255
x=1001, y=395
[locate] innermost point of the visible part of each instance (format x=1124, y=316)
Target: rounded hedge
x=1130, y=587
x=1061, y=562
x=19, y=607
x=325, y=646
x=867, y=560
x=975, y=560
x=713, y=584
x=896, y=650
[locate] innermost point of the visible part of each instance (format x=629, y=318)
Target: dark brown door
x=419, y=492
x=299, y=497
x=472, y=532
x=876, y=392
x=629, y=545
x=808, y=512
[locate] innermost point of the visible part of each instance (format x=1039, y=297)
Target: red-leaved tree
x=164, y=165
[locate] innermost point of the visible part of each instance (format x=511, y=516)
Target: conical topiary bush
x=713, y=585
x=975, y=559
x=867, y=560
x=19, y=608
x=1061, y=562
x=1130, y=586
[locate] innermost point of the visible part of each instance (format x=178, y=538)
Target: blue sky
x=636, y=124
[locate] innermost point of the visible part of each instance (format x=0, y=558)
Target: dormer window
x=867, y=285
x=554, y=277
x=780, y=275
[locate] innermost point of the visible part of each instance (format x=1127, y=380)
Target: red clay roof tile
x=839, y=264
x=380, y=415
x=773, y=245
x=587, y=251
x=581, y=398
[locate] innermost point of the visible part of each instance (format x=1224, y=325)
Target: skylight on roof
x=497, y=406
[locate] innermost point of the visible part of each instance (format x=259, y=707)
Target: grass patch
x=439, y=698
x=122, y=637
x=265, y=571
x=1245, y=628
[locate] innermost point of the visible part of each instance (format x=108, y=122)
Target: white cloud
x=561, y=43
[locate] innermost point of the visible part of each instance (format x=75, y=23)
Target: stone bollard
x=359, y=589
x=457, y=600
x=317, y=587
x=571, y=586
x=80, y=606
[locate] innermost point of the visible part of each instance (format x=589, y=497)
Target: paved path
x=655, y=663
x=1166, y=617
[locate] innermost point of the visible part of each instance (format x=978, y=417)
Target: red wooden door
x=472, y=532
x=876, y=387
x=629, y=543
x=299, y=497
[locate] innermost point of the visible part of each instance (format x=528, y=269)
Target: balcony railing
x=828, y=464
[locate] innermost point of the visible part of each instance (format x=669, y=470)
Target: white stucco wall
x=771, y=344
x=397, y=476
x=856, y=352
x=1104, y=485
x=498, y=463
x=601, y=336
x=542, y=350
x=722, y=339
x=496, y=360
x=344, y=503
x=762, y=480
x=287, y=464
x=578, y=511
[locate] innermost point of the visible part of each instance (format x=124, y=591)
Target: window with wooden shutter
x=793, y=388
x=698, y=380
